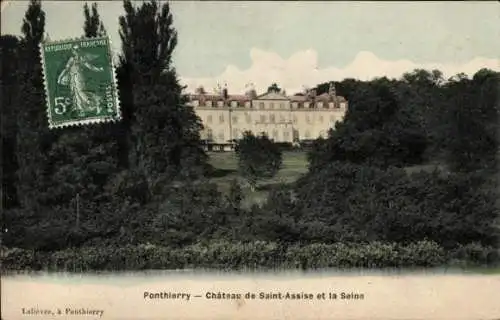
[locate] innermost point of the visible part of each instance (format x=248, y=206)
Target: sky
x=300, y=44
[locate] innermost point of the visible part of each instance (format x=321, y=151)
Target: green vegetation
x=258, y=158
x=294, y=166
x=254, y=256
x=226, y=170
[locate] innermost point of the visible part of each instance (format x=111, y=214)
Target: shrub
x=360, y=203
x=476, y=254
x=224, y=255
x=258, y=157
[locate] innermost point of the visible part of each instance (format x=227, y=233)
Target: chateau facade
x=283, y=118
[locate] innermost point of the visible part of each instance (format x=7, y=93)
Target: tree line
x=146, y=179
x=157, y=141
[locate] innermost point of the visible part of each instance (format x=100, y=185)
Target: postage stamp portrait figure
x=80, y=82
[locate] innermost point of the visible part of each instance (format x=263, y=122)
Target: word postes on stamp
x=80, y=82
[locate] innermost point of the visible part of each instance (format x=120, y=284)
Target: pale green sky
x=214, y=35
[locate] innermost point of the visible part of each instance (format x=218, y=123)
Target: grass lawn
x=226, y=164
x=294, y=165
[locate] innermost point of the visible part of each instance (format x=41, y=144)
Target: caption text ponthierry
x=256, y=296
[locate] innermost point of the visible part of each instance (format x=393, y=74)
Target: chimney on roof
x=331, y=90
x=252, y=94
x=200, y=90
x=312, y=93
x=224, y=92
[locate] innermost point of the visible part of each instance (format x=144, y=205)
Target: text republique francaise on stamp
x=80, y=82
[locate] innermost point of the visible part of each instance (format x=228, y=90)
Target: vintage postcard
x=250, y=160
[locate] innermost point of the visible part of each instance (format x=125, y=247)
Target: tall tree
x=258, y=157
x=423, y=93
x=163, y=130
x=382, y=127
x=10, y=48
x=33, y=135
x=83, y=158
x=472, y=115
x=93, y=26
x=62, y=173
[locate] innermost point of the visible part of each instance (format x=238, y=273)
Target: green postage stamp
x=80, y=82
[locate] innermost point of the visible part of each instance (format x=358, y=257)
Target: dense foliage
x=362, y=203
x=258, y=157
x=90, y=197
x=257, y=255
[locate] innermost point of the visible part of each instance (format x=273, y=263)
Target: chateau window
x=220, y=103
x=235, y=119
x=262, y=118
x=248, y=104
x=294, y=104
x=308, y=119
x=272, y=118
x=221, y=136
x=282, y=105
x=209, y=118
x=306, y=104
x=208, y=103
x=320, y=104
x=221, y=118
x=261, y=105
x=330, y=104
x=234, y=103
x=295, y=119
x=282, y=118
x=210, y=134
x=286, y=135
x=271, y=105
x=235, y=134
x=275, y=134
x=342, y=105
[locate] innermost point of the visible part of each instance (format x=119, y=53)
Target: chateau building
x=283, y=118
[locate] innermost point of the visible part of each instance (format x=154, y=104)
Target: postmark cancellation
x=80, y=82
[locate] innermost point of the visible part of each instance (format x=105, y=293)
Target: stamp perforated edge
x=114, y=81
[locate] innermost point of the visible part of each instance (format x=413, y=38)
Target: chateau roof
x=217, y=97
x=272, y=96
x=297, y=98
x=239, y=97
x=325, y=97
